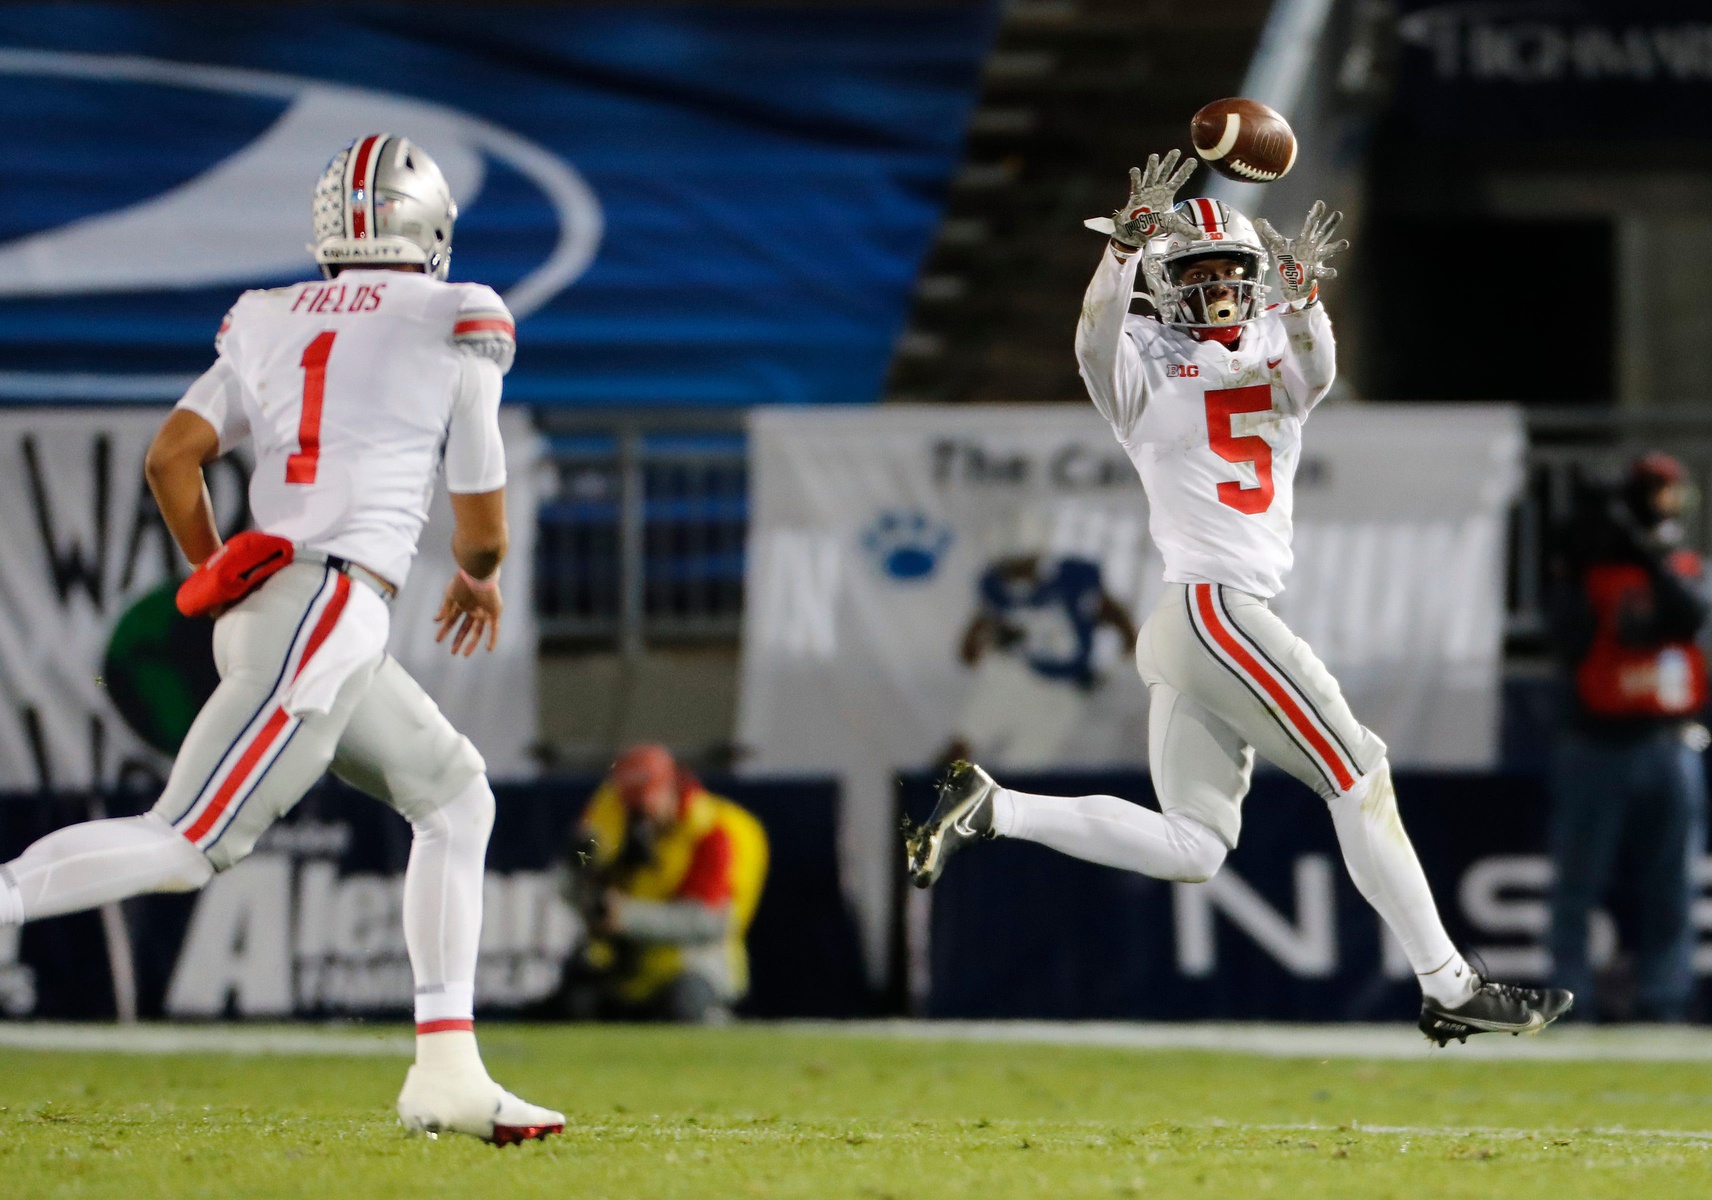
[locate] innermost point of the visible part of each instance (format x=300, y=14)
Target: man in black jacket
x=1629, y=798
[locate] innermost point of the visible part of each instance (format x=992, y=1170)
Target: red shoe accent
x=510, y=1135
x=451, y=1025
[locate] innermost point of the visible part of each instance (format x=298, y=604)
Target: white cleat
x=435, y=1102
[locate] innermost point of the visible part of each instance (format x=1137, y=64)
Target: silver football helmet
x=1207, y=229
x=381, y=201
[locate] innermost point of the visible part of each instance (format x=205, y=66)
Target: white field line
x=205, y=1039
x=1651, y=1043
x=1359, y=1041
x=1599, y=1133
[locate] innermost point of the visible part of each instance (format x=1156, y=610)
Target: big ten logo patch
x=1182, y=370
x=287, y=932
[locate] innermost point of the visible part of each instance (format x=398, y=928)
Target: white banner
x=920, y=576
x=81, y=544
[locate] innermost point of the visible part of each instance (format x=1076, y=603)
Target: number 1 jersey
x=352, y=390
x=1214, y=432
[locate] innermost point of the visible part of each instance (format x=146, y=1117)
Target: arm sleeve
x=1311, y=363
x=1107, y=356
x=217, y=397
x=475, y=452
x=483, y=327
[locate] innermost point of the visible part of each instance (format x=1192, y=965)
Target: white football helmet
x=381, y=201
x=1209, y=229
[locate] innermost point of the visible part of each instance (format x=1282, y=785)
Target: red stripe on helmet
x=1209, y=214
x=360, y=179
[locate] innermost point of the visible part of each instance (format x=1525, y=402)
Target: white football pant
x=1226, y=677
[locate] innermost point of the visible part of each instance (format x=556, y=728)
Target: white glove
x=1152, y=196
x=1301, y=261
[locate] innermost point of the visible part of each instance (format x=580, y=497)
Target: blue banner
x=1280, y=933
x=683, y=205
x=310, y=926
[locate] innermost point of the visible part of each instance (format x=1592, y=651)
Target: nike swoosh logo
x=1535, y=1021
x=1272, y=363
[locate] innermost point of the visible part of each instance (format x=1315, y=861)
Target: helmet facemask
x=1215, y=306
x=1231, y=297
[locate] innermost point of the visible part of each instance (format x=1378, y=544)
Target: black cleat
x=1495, y=1008
x=964, y=814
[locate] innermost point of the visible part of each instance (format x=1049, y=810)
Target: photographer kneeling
x=667, y=876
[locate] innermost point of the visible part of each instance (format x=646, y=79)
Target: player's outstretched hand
x=1152, y=196
x=1301, y=261
x=471, y=612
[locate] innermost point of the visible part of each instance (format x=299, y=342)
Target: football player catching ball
x=1208, y=394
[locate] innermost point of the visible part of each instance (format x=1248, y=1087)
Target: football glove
x=1152, y=197
x=1301, y=261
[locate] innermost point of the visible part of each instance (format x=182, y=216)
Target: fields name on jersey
x=1074, y=466
x=332, y=297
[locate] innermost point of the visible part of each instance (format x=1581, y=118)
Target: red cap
x=642, y=769
x=1657, y=469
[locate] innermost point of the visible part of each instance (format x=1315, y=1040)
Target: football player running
x=1208, y=395
x=352, y=390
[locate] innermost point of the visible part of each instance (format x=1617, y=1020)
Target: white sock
x=1381, y=860
x=450, y=1052
x=443, y=910
x=98, y=862
x=1113, y=832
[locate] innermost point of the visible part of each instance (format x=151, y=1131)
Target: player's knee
x=1373, y=793
x=473, y=808
x=466, y=816
x=1204, y=861
x=184, y=868
x=1201, y=851
x=439, y=773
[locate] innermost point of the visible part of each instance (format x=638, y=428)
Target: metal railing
x=643, y=519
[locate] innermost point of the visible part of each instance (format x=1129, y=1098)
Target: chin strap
x=1227, y=335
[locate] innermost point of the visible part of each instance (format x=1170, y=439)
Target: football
x=1244, y=139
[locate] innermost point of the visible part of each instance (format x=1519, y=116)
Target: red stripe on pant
x=276, y=721
x=1286, y=702
x=246, y=763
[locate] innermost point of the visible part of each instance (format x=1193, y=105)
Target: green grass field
x=782, y=1112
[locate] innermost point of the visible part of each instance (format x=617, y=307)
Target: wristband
x=491, y=583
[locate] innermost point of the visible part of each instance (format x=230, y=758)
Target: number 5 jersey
x=1215, y=432
x=353, y=390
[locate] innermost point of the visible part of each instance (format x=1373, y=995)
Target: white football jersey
x=352, y=391
x=1215, y=433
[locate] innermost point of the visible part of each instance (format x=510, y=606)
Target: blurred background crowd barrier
x=796, y=285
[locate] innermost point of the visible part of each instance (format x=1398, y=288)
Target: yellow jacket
x=713, y=857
